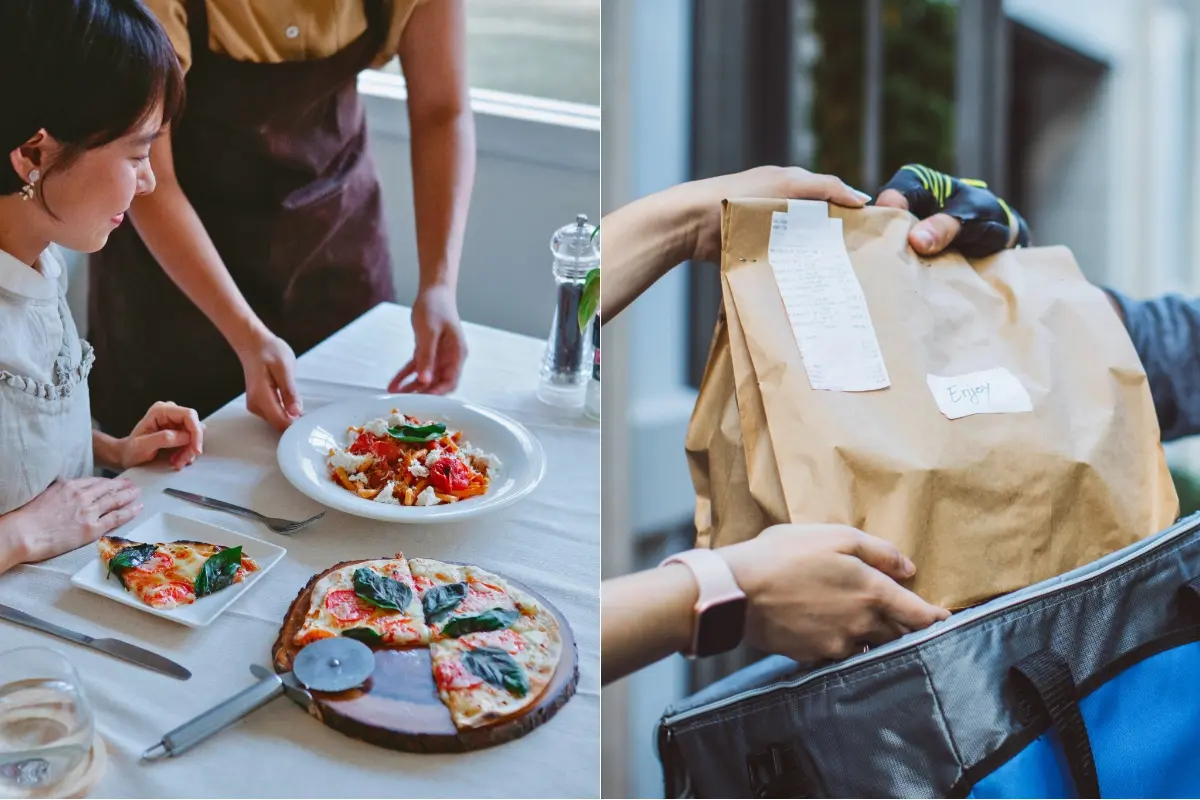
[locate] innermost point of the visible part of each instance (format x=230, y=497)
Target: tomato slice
x=174, y=592
x=453, y=675
x=362, y=445
x=397, y=630
x=422, y=583
x=448, y=474
x=346, y=606
x=159, y=562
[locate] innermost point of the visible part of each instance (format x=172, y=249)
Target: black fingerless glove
x=988, y=224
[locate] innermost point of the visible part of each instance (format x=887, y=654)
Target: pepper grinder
x=566, y=366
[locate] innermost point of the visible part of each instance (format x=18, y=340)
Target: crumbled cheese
x=348, y=461
x=396, y=420
x=433, y=456
x=377, y=427
x=418, y=470
x=359, y=477
x=387, y=495
x=428, y=497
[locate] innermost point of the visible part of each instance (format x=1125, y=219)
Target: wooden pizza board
x=399, y=707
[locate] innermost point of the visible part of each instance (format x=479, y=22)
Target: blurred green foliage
x=1187, y=485
x=918, y=86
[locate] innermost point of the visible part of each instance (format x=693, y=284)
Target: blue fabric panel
x=1144, y=727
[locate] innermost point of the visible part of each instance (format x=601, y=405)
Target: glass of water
x=46, y=723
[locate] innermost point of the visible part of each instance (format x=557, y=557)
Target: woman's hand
x=67, y=516
x=166, y=427
x=821, y=592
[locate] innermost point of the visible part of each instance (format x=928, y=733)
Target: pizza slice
x=373, y=601
x=169, y=574
x=458, y=599
x=486, y=676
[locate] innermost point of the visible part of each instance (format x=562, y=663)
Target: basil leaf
x=381, y=591
x=424, y=433
x=491, y=620
x=128, y=558
x=439, y=601
x=589, y=299
x=497, y=668
x=218, y=571
x=364, y=635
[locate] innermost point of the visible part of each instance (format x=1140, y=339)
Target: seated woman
x=89, y=84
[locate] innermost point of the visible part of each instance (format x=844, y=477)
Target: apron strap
x=197, y=21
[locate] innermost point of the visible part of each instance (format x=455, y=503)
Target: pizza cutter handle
x=217, y=719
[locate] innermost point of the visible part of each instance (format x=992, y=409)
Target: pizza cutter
x=334, y=664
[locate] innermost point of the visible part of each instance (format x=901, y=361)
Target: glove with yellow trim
x=955, y=211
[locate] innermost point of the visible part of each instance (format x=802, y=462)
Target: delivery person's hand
x=441, y=345
x=954, y=212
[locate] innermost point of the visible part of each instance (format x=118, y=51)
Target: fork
x=284, y=526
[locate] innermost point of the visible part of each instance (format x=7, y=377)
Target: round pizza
x=493, y=647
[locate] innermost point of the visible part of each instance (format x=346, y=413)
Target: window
x=540, y=48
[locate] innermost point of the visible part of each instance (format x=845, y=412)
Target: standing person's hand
x=441, y=345
x=954, y=212
x=824, y=591
x=269, y=366
x=69, y=515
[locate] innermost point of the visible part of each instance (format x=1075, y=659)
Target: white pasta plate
x=304, y=455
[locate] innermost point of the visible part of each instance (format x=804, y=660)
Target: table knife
x=113, y=647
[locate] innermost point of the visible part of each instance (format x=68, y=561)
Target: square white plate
x=170, y=528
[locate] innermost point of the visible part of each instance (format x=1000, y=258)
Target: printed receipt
x=992, y=391
x=824, y=300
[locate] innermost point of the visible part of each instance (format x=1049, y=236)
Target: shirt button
x=292, y=32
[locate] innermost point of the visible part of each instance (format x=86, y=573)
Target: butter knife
x=113, y=647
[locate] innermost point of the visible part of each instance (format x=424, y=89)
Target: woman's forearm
x=644, y=617
x=443, y=167
x=12, y=541
x=175, y=236
x=645, y=240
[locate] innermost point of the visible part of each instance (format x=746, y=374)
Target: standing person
x=267, y=231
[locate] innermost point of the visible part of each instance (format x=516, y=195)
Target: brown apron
x=274, y=158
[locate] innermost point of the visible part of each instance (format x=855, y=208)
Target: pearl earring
x=27, y=191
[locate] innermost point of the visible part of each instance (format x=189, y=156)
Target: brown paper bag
x=983, y=504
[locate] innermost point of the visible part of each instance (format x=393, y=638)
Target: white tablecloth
x=550, y=541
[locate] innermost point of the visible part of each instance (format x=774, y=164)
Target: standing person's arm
x=433, y=57
x=172, y=231
x=1166, y=334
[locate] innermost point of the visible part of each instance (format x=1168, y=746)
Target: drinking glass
x=46, y=723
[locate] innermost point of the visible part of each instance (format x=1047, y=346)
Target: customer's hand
x=166, y=427
x=825, y=591
x=704, y=197
x=68, y=515
x=953, y=212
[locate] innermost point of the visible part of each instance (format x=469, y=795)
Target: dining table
x=549, y=541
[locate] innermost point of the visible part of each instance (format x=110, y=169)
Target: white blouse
x=45, y=416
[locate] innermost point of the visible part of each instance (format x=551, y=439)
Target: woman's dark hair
x=88, y=71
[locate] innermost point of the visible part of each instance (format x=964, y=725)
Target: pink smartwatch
x=720, y=619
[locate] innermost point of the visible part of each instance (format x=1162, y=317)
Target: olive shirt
x=272, y=31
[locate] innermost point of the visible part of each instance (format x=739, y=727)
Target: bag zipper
x=955, y=622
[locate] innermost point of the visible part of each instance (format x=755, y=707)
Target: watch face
x=720, y=627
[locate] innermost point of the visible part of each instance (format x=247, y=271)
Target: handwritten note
x=992, y=391
x=824, y=300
